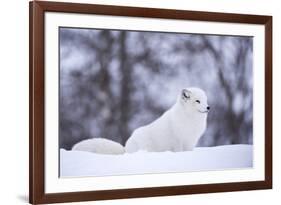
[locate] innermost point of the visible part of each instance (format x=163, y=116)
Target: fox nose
x=208, y=108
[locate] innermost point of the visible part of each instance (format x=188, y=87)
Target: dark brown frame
x=37, y=9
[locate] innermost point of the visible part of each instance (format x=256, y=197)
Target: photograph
x=129, y=102
x=135, y=102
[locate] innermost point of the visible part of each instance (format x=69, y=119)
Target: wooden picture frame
x=37, y=194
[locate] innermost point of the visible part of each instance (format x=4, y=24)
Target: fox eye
x=198, y=101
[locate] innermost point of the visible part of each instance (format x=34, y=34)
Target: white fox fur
x=99, y=145
x=178, y=129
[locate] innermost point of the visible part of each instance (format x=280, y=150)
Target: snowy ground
x=77, y=163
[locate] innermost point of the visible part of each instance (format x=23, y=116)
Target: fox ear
x=185, y=94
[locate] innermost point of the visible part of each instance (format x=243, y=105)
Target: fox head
x=194, y=100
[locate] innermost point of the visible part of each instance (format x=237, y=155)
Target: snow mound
x=79, y=163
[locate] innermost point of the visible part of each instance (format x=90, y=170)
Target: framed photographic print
x=139, y=102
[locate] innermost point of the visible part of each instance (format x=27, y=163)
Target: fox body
x=178, y=129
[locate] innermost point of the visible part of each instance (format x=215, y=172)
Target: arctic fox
x=178, y=129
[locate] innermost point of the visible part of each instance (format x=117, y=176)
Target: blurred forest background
x=112, y=82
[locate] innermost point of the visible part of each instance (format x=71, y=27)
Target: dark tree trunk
x=126, y=84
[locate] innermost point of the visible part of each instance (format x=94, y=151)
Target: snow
x=79, y=163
